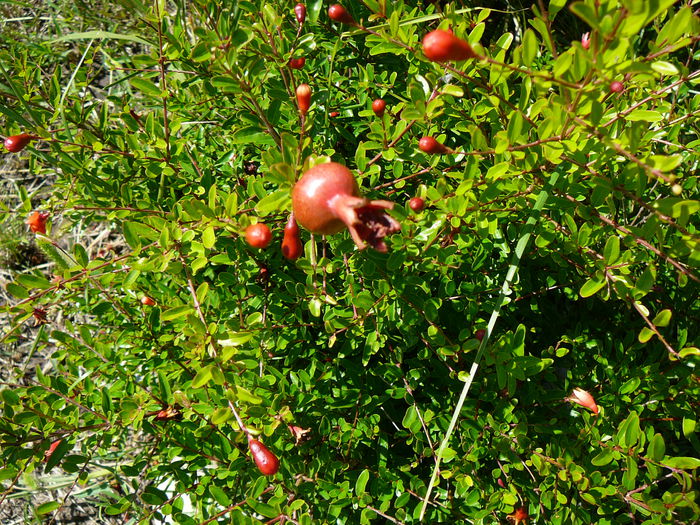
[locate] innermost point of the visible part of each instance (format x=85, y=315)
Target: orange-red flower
x=37, y=221
x=520, y=516
x=583, y=398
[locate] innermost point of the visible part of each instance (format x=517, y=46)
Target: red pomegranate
x=266, y=461
x=443, y=46
x=326, y=199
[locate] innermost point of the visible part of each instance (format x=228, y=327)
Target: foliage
x=180, y=128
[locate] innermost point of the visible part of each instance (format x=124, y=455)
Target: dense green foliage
x=174, y=126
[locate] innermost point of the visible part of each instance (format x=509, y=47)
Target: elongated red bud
x=443, y=46
x=292, y=247
x=17, y=143
x=583, y=398
x=266, y=461
x=431, y=146
x=300, y=13
x=339, y=14
x=304, y=98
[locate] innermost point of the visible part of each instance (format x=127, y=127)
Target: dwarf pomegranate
x=378, y=106
x=304, y=98
x=617, y=87
x=258, y=235
x=519, y=517
x=17, y=143
x=586, y=40
x=147, y=301
x=326, y=199
x=339, y=14
x=300, y=13
x=416, y=204
x=443, y=46
x=52, y=448
x=37, y=221
x=266, y=461
x=432, y=146
x=292, y=247
x=480, y=334
x=297, y=63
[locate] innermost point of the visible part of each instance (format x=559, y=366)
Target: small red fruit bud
x=297, y=63
x=147, y=301
x=17, y=143
x=258, y=235
x=300, y=13
x=37, y=221
x=292, y=247
x=586, y=40
x=266, y=461
x=416, y=204
x=617, y=87
x=480, y=334
x=501, y=483
x=339, y=14
x=443, y=46
x=304, y=98
x=431, y=146
x=334, y=114
x=378, y=106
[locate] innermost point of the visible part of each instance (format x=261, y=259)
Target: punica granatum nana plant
x=586, y=40
x=431, y=146
x=52, y=448
x=304, y=98
x=258, y=235
x=17, y=143
x=378, y=106
x=444, y=46
x=339, y=14
x=327, y=199
x=266, y=461
x=37, y=221
x=292, y=247
x=519, y=516
x=300, y=13
x=297, y=63
x=416, y=204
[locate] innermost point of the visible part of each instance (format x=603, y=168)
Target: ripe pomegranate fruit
x=617, y=87
x=416, y=204
x=147, y=301
x=480, y=334
x=292, y=247
x=297, y=63
x=339, y=14
x=266, y=461
x=300, y=13
x=326, y=199
x=258, y=235
x=378, y=106
x=443, y=46
x=431, y=146
x=37, y=221
x=304, y=98
x=17, y=143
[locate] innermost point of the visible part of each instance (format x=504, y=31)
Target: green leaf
x=31, y=281
x=689, y=426
x=176, y=312
x=684, y=463
x=46, y=508
x=656, y=448
x=603, y=458
x=361, y=482
x=612, y=250
x=591, y=287
x=209, y=237
x=203, y=376
x=665, y=68
x=145, y=86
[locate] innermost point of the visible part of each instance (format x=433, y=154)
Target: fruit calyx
x=326, y=199
x=266, y=461
x=443, y=46
x=292, y=247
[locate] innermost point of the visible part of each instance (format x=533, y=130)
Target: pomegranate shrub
x=439, y=197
